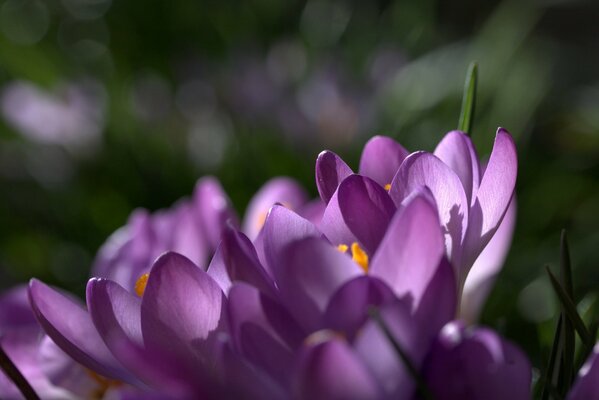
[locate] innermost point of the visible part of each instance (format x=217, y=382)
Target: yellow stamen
x=103, y=384
x=323, y=335
x=140, y=285
x=388, y=187
x=343, y=248
x=359, y=256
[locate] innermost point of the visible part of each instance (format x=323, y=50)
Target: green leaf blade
x=469, y=99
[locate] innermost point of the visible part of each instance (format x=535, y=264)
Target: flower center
x=357, y=254
x=140, y=285
x=103, y=384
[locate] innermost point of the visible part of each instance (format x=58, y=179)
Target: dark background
x=107, y=106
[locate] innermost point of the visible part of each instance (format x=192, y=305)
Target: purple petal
x=586, y=386
x=313, y=211
x=486, y=267
x=438, y=304
x=253, y=334
x=424, y=169
x=213, y=209
x=187, y=236
x=379, y=356
x=410, y=253
x=381, y=159
x=283, y=227
x=365, y=209
x=280, y=190
x=348, y=308
x=458, y=152
x=476, y=364
x=494, y=194
x=182, y=306
x=330, y=370
x=15, y=311
x=331, y=170
x=71, y=328
x=311, y=272
x=242, y=263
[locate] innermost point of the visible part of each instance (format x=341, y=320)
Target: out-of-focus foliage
x=107, y=106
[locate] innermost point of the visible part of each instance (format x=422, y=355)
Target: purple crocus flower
x=585, y=387
x=192, y=227
x=471, y=201
x=51, y=373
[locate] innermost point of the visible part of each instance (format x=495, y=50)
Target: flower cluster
x=370, y=292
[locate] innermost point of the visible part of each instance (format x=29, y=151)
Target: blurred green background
x=107, y=106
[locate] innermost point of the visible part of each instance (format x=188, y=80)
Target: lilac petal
x=285, y=191
x=313, y=211
x=586, y=386
x=379, y=356
x=457, y=151
x=439, y=301
x=365, y=209
x=481, y=277
x=187, y=236
x=476, y=364
x=381, y=159
x=181, y=307
x=331, y=170
x=411, y=251
x=242, y=263
x=348, y=308
x=213, y=209
x=283, y=227
x=71, y=328
x=312, y=271
x=330, y=370
x=15, y=311
x=254, y=336
x=333, y=225
x=218, y=271
x=494, y=194
x=116, y=313
x=424, y=169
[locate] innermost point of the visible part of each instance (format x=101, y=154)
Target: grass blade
x=567, y=326
x=13, y=373
x=423, y=391
x=570, y=309
x=555, y=361
x=469, y=99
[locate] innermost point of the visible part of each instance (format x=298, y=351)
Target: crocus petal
x=254, y=335
x=411, y=251
x=242, y=263
x=114, y=310
x=476, y=364
x=586, y=386
x=365, y=209
x=213, y=208
x=181, y=306
x=378, y=354
x=330, y=370
x=348, y=308
x=285, y=191
x=313, y=211
x=493, y=196
x=15, y=311
x=381, y=159
x=333, y=225
x=283, y=227
x=438, y=304
x=71, y=328
x=187, y=236
x=312, y=270
x=218, y=271
x=424, y=169
x=457, y=151
x=331, y=170
x=486, y=267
